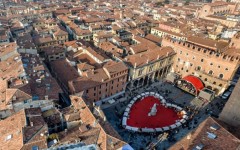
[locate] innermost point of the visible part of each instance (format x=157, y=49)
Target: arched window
x=220, y=85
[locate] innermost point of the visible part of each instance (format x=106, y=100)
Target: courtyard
x=172, y=94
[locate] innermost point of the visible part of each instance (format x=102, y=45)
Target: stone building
x=215, y=69
x=230, y=113
x=218, y=7
x=147, y=66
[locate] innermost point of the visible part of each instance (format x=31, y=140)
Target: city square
x=173, y=95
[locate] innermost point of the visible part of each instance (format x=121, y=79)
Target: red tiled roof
x=195, y=81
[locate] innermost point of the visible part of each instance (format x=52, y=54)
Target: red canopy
x=195, y=81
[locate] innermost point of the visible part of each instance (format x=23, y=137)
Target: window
x=205, y=79
x=151, y=68
x=201, y=60
x=198, y=68
x=221, y=76
x=178, y=59
x=211, y=64
x=210, y=72
x=140, y=72
x=180, y=52
x=187, y=54
x=94, y=94
x=219, y=66
x=226, y=69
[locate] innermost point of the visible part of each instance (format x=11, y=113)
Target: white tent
x=139, y=96
x=178, y=124
x=173, y=126
x=165, y=128
x=152, y=93
x=182, y=120
x=124, y=121
x=127, y=109
x=135, y=98
x=175, y=106
x=161, y=97
x=126, y=114
x=132, y=128
x=179, y=108
x=147, y=130
x=131, y=102
x=159, y=129
x=129, y=105
x=185, y=117
x=169, y=105
x=147, y=93
x=143, y=94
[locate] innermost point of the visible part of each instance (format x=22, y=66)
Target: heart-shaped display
x=149, y=112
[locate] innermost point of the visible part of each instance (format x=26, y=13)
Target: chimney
x=31, y=124
x=135, y=65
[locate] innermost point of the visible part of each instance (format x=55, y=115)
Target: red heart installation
x=139, y=118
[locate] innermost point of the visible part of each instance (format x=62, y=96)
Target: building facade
x=148, y=66
x=216, y=70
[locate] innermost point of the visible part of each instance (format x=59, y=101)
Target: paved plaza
x=173, y=95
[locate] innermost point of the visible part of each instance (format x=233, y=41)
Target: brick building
x=101, y=83
x=147, y=66
x=215, y=69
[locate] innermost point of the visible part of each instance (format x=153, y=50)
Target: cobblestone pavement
x=174, y=95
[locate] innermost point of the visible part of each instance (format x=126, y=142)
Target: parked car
x=225, y=95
